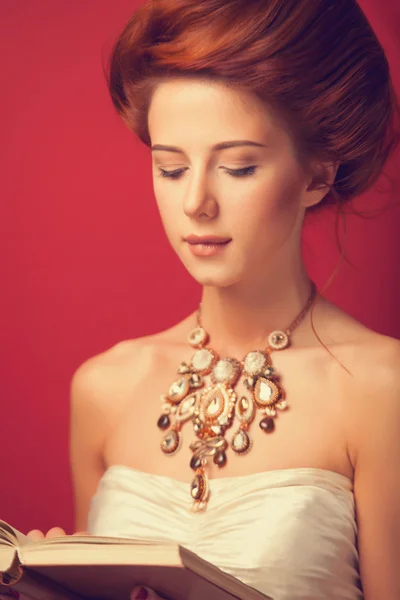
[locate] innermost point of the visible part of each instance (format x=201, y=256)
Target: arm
x=88, y=430
x=375, y=451
x=87, y=435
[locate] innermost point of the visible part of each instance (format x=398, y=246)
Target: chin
x=219, y=276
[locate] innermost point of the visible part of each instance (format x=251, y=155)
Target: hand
x=144, y=593
x=36, y=534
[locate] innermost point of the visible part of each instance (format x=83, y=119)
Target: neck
x=240, y=318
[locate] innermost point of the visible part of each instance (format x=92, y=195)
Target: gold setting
x=198, y=337
x=232, y=368
x=278, y=340
x=213, y=358
x=259, y=392
x=241, y=447
x=179, y=389
x=171, y=442
x=186, y=408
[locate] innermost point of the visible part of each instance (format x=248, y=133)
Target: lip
x=207, y=245
x=206, y=239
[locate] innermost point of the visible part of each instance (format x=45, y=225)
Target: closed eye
x=246, y=171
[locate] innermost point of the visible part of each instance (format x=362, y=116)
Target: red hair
x=317, y=61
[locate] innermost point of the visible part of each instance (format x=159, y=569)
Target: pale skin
x=339, y=421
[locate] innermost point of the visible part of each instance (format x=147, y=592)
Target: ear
x=320, y=175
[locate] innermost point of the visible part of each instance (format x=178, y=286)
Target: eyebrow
x=220, y=146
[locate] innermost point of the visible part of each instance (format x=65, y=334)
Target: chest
x=309, y=433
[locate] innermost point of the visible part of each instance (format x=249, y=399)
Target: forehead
x=192, y=108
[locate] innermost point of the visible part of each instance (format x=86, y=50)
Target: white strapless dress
x=288, y=533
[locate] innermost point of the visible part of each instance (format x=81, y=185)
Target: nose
x=200, y=201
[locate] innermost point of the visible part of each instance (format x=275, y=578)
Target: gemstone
x=195, y=463
x=266, y=393
x=282, y=405
x=249, y=382
x=183, y=368
x=220, y=459
x=186, y=408
x=163, y=422
x=197, y=487
x=267, y=424
x=170, y=442
x=202, y=360
x=195, y=381
x=255, y=362
x=245, y=409
x=216, y=429
x=197, y=337
x=226, y=370
x=178, y=389
x=198, y=507
x=278, y=340
x=269, y=372
x=215, y=405
x=198, y=426
x=240, y=442
x=243, y=405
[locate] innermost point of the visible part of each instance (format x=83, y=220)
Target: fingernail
x=141, y=594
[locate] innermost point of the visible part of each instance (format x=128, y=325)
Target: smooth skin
x=340, y=419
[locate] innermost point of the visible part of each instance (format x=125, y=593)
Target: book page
x=10, y=539
x=74, y=561
x=8, y=556
x=9, y=535
x=93, y=550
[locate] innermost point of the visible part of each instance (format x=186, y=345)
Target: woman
x=256, y=114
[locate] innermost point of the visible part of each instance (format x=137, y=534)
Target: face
x=245, y=202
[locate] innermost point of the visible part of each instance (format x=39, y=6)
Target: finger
x=55, y=532
x=35, y=534
x=81, y=533
x=144, y=593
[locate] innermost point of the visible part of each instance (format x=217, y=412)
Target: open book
x=101, y=568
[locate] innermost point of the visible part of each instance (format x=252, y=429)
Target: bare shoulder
x=361, y=350
x=368, y=355
x=365, y=379
x=109, y=377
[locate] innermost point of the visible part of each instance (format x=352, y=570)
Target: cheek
x=272, y=208
x=169, y=216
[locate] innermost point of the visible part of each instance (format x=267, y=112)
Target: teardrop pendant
x=170, y=442
x=267, y=424
x=241, y=442
x=164, y=422
x=220, y=459
x=199, y=490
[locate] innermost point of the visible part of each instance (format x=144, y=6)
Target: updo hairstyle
x=318, y=62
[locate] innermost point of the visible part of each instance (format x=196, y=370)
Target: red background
x=84, y=262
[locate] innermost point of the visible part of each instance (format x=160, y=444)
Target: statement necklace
x=213, y=408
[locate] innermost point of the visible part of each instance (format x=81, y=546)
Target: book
x=106, y=568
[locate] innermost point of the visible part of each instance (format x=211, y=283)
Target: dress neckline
x=269, y=476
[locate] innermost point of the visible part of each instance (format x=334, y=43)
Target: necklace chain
x=289, y=330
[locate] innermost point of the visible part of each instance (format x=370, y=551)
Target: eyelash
x=245, y=172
